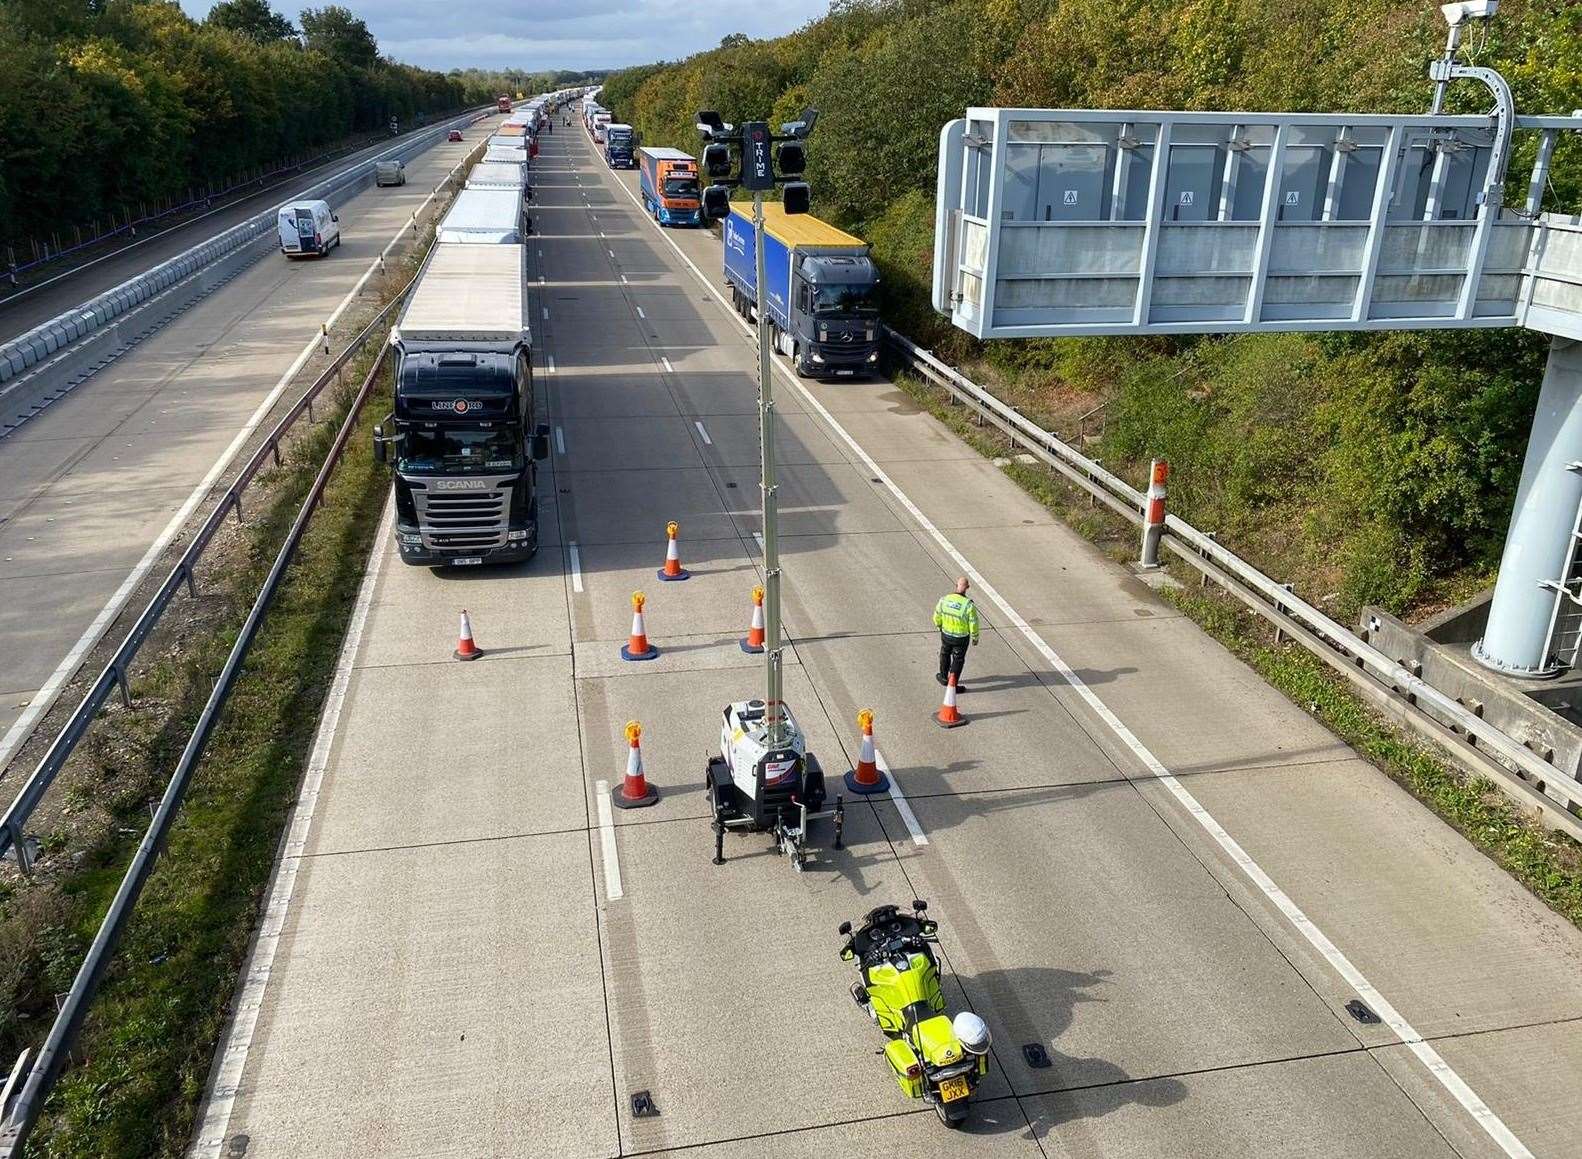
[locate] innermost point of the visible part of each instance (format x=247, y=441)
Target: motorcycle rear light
x=914, y=1071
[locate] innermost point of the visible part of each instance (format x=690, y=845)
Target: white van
x=308, y=227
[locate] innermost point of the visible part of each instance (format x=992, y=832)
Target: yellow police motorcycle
x=935, y=1058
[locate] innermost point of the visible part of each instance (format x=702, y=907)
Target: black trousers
x=952, y=654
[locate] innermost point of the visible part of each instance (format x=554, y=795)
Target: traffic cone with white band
x=866, y=777
x=947, y=716
x=635, y=791
x=465, y=648
x=638, y=647
x=673, y=569
x=754, y=640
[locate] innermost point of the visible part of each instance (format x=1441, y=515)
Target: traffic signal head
x=796, y=197
x=709, y=123
x=716, y=202
x=717, y=160
x=790, y=159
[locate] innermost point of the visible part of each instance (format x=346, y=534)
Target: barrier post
x=1154, y=513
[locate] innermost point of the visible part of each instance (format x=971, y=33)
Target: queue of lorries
x=463, y=438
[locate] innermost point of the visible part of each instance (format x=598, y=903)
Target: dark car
x=455, y=135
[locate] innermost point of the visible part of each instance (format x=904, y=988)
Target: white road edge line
x=231, y=1060
x=45, y=698
x=902, y=805
x=560, y=441
x=1435, y=1063
x=702, y=430
x=612, y=862
x=576, y=567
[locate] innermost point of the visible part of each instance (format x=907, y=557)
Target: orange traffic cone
x=866, y=777
x=754, y=640
x=638, y=647
x=673, y=569
x=635, y=791
x=947, y=715
x=465, y=648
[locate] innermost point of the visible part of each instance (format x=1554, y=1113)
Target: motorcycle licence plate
x=952, y=1089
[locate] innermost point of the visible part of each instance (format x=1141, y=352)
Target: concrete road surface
x=92, y=488
x=1141, y=857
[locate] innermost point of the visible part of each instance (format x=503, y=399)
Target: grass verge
x=1549, y=864
x=145, y=1049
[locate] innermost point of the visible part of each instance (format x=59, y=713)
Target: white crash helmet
x=972, y=1031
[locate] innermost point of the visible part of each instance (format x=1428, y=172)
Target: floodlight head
x=709, y=123
x=802, y=126
x=1461, y=10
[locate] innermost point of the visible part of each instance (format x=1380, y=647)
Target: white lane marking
x=546, y=313
x=541, y=255
x=758, y=536
x=45, y=698
x=640, y=313
x=668, y=368
x=231, y=1060
x=560, y=440
x=576, y=567
x=902, y=805
x=612, y=863
x=611, y=253
x=1431, y=1059
x=541, y=279
x=551, y=364
x=601, y=234
x=707, y=442
x=624, y=282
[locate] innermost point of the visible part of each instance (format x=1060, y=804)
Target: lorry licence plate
x=465, y=560
x=952, y=1089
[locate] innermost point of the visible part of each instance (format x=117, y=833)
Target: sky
x=546, y=34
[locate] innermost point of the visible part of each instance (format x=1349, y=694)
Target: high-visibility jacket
x=957, y=616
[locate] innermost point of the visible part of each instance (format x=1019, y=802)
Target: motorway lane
x=90, y=484
x=452, y=914
x=23, y=309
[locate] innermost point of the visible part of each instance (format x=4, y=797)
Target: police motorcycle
x=760, y=786
x=934, y=1057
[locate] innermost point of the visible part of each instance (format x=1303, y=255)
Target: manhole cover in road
x=1035, y=1054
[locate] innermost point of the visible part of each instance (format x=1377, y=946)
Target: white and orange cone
x=638, y=647
x=947, y=716
x=866, y=777
x=466, y=649
x=754, y=640
x=635, y=791
x=673, y=569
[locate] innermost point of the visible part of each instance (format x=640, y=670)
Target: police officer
x=956, y=617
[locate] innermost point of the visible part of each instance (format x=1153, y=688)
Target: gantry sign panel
x=1058, y=222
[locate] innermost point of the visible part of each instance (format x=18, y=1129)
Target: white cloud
x=554, y=33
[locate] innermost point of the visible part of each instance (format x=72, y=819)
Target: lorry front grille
x=463, y=520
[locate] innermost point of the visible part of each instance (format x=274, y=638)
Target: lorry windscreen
x=848, y=299
x=681, y=186
x=466, y=450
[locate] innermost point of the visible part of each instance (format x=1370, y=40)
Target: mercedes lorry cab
x=821, y=288
x=463, y=440
x=308, y=227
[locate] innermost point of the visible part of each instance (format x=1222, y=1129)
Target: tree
x=251, y=19
x=338, y=34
